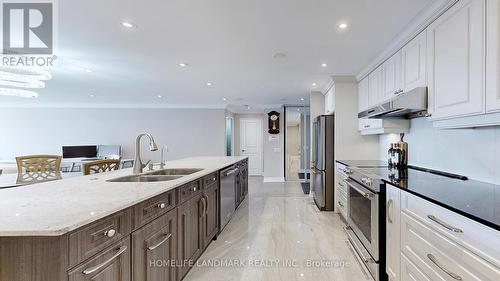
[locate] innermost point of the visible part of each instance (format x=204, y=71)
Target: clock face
x=273, y=117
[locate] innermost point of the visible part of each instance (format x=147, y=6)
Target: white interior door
x=251, y=144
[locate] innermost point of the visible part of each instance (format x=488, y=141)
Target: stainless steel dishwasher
x=228, y=181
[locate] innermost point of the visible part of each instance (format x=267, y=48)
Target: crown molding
x=112, y=106
x=418, y=24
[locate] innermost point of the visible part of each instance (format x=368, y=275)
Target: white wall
x=273, y=151
x=471, y=152
x=187, y=132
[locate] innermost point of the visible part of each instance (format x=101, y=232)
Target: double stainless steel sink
x=157, y=176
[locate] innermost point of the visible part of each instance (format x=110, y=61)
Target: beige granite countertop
x=58, y=207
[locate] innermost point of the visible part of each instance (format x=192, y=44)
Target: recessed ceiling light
x=209, y=83
x=298, y=109
x=128, y=24
x=91, y=95
x=343, y=25
x=324, y=65
x=302, y=99
x=314, y=84
x=159, y=96
x=88, y=70
x=182, y=64
x=224, y=99
x=248, y=107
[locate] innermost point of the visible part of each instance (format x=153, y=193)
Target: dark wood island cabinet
x=160, y=238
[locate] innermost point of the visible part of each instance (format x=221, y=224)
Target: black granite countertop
x=363, y=163
x=473, y=199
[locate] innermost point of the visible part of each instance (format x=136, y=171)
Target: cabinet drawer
x=410, y=272
x=210, y=179
x=148, y=210
x=439, y=257
x=187, y=191
x=112, y=264
x=476, y=237
x=92, y=239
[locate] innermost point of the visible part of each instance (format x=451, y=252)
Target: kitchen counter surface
x=58, y=207
x=475, y=200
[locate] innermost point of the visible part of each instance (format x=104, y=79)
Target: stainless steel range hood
x=406, y=105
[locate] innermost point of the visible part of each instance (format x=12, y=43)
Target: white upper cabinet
x=493, y=57
x=363, y=95
x=391, y=70
x=375, y=87
x=456, y=61
x=330, y=101
x=413, y=56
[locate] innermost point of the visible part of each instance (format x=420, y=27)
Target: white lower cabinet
x=392, y=221
x=433, y=243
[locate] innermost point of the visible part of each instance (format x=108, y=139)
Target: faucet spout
x=162, y=161
x=138, y=166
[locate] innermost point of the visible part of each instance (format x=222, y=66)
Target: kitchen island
x=88, y=228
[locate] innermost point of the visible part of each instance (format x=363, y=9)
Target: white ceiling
x=228, y=42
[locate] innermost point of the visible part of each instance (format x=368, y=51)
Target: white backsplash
x=474, y=153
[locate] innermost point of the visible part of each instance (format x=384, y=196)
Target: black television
x=79, y=151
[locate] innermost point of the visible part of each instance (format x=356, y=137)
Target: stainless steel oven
x=363, y=215
x=366, y=229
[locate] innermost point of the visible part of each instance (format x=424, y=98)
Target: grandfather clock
x=274, y=122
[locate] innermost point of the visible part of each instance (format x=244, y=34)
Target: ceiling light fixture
x=88, y=70
x=302, y=99
x=324, y=65
x=160, y=96
x=128, y=24
x=224, y=99
x=91, y=95
x=209, y=83
x=314, y=84
x=182, y=64
x=18, y=93
x=343, y=25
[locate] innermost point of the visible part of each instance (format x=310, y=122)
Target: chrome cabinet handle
x=388, y=210
x=206, y=205
x=167, y=237
x=110, y=233
x=232, y=172
x=453, y=275
x=99, y=266
x=445, y=225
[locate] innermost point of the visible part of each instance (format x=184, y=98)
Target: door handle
x=151, y=248
x=99, y=266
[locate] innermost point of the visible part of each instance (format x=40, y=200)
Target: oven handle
x=365, y=194
x=348, y=231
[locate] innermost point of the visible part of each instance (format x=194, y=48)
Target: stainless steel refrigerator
x=323, y=164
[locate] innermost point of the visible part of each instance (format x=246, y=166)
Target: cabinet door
x=245, y=181
x=154, y=247
x=189, y=233
x=211, y=216
x=456, y=63
x=493, y=55
x=392, y=77
x=363, y=95
x=112, y=264
x=375, y=87
x=393, y=232
x=414, y=56
x=330, y=101
x=410, y=272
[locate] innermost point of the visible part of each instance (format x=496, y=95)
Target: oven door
x=362, y=216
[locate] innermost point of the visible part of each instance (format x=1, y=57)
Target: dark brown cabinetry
x=154, y=250
x=190, y=235
x=211, y=211
x=112, y=264
x=158, y=239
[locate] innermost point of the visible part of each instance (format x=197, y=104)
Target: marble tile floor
x=277, y=233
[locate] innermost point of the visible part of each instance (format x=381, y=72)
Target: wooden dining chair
x=38, y=168
x=101, y=166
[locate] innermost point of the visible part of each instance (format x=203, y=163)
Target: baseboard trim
x=274, y=179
